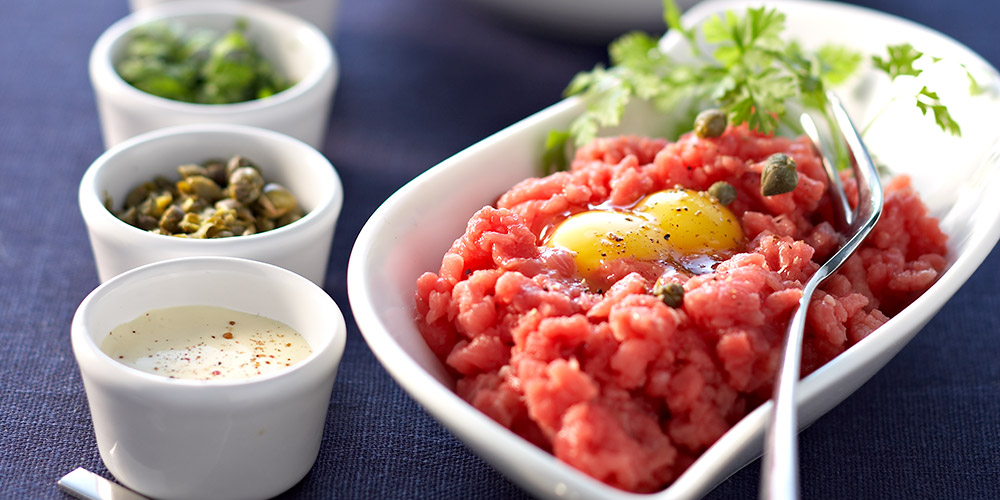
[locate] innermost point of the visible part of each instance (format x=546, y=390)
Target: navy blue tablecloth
x=421, y=80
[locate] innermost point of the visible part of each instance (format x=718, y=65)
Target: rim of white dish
x=326, y=65
x=95, y=212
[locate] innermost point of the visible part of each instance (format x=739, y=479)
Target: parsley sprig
x=737, y=63
x=899, y=62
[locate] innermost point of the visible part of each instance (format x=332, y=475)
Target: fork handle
x=780, y=469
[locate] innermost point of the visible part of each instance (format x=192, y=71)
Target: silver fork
x=780, y=469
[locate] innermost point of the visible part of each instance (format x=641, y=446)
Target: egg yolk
x=676, y=224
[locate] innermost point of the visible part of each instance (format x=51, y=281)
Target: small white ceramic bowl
x=237, y=438
x=323, y=13
x=296, y=48
x=302, y=246
x=412, y=230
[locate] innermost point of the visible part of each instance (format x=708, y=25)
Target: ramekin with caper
x=215, y=199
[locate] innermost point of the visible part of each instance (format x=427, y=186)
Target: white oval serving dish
x=412, y=230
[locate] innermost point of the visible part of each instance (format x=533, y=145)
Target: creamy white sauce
x=205, y=343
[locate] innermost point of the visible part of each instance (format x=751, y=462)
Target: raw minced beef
x=613, y=381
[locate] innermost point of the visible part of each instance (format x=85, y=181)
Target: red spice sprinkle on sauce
x=185, y=344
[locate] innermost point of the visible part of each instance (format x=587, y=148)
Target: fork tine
x=842, y=212
x=865, y=172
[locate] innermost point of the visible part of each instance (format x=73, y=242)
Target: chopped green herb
x=197, y=65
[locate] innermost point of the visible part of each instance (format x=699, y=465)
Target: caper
x=162, y=183
x=227, y=204
x=236, y=162
x=198, y=206
x=237, y=228
x=161, y=202
x=275, y=201
x=672, y=294
x=241, y=210
x=245, y=184
x=192, y=204
x=206, y=230
x=170, y=221
x=290, y=217
x=778, y=176
x=190, y=170
x=146, y=222
x=262, y=224
x=200, y=187
x=141, y=192
x=129, y=215
x=710, y=123
x=148, y=208
x=722, y=191
x=216, y=170
x=190, y=223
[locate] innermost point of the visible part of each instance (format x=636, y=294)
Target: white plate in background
x=586, y=20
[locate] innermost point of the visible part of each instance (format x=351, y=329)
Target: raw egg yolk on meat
x=679, y=225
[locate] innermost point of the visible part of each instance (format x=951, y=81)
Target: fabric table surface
x=420, y=81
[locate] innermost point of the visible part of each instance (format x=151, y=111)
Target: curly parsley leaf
x=635, y=50
x=750, y=73
x=745, y=39
x=672, y=19
x=608, y=92
x=927, y=100
x=900, y=61
x=837, y=63
x=974, y=87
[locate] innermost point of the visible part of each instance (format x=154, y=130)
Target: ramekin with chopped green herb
x=189, y=62
x=199, y=65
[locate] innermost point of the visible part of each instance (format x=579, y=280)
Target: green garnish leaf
x=928, y=100
x=554, y=158
x=899, y=61
x=609, y=93
x=634, y=50
x=584, y=129
x=974, y=86
x=837, y=63
x=750, y=74
x=672, y=18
